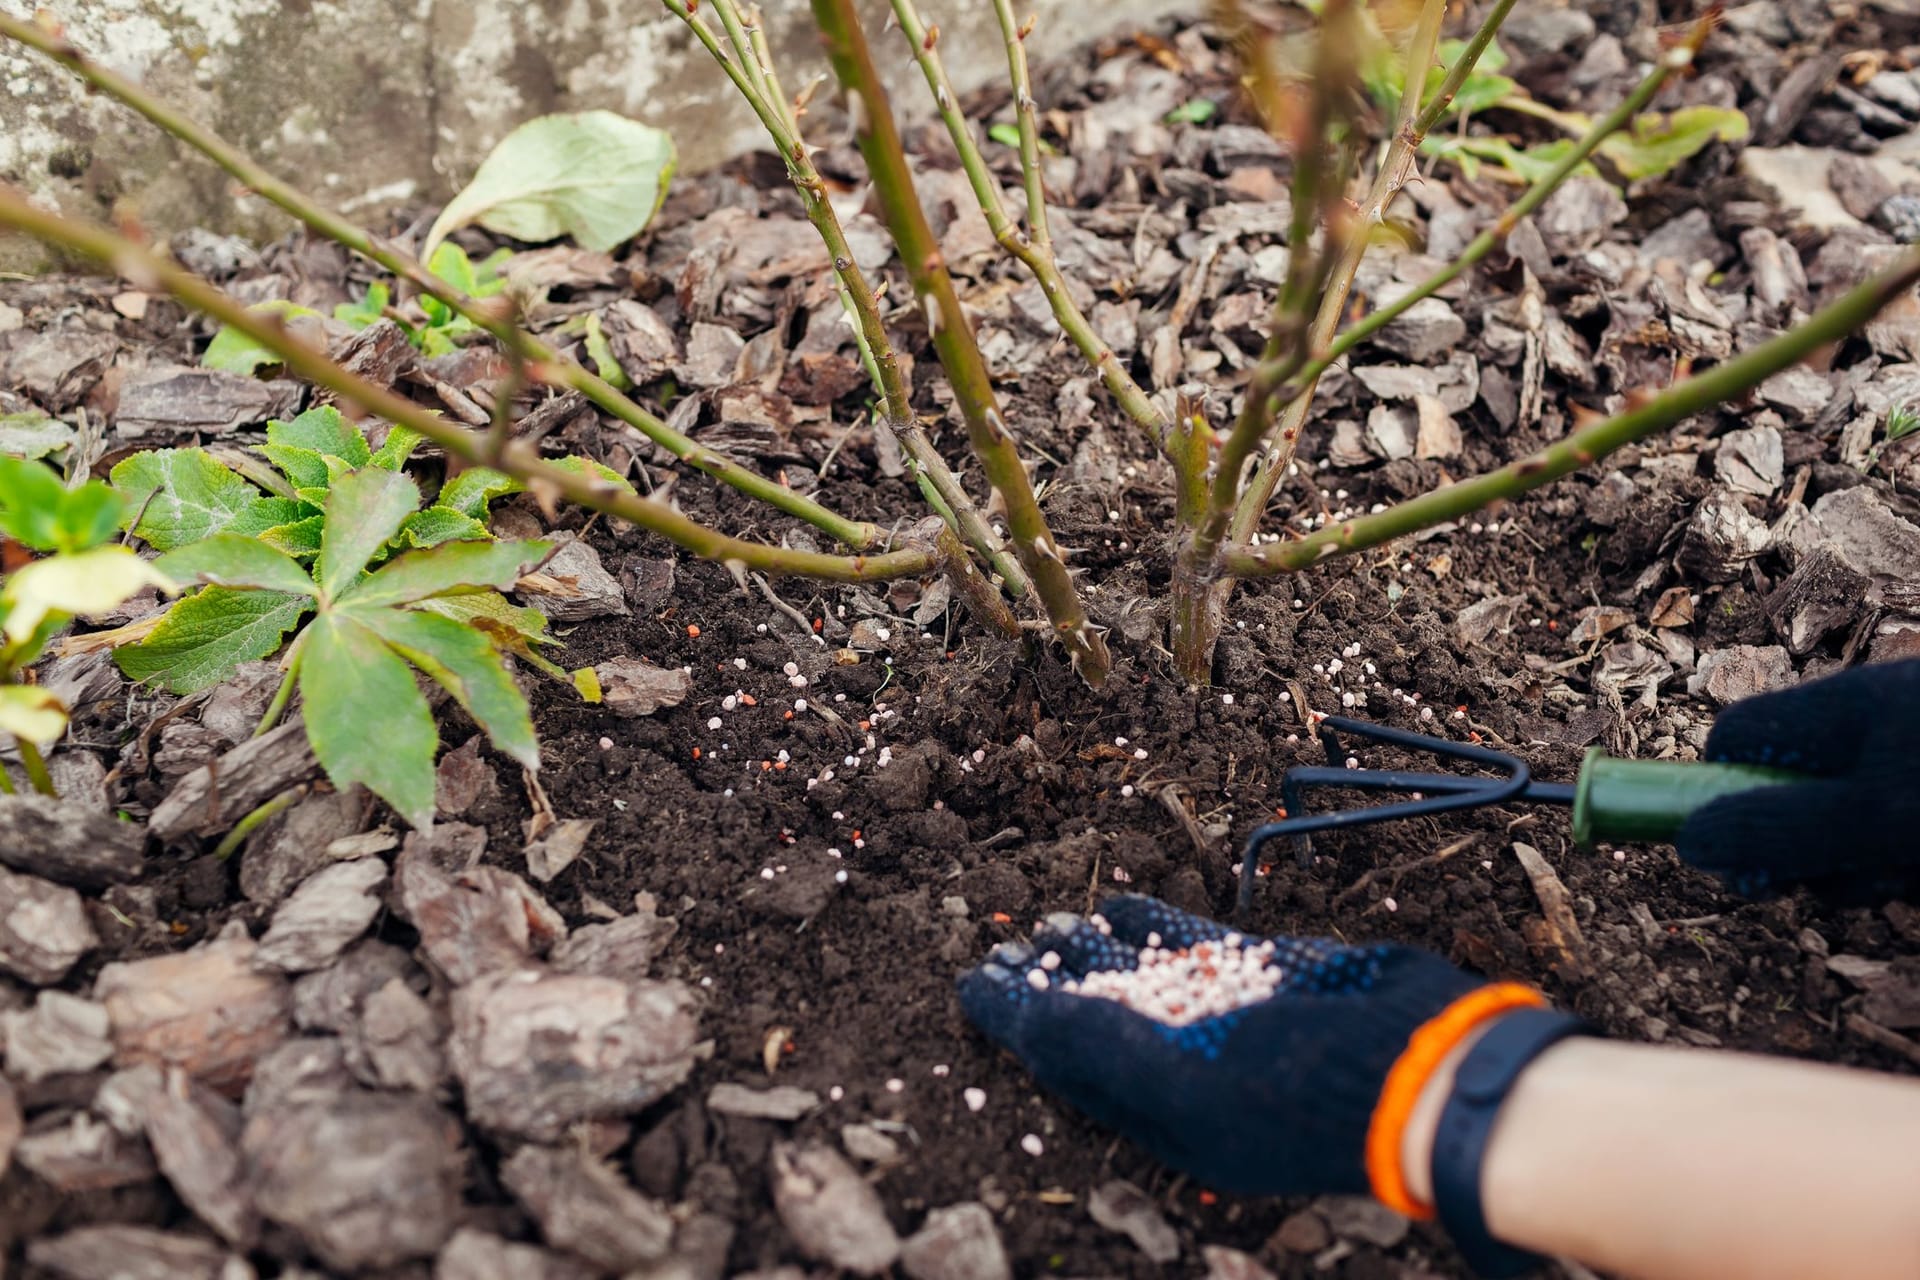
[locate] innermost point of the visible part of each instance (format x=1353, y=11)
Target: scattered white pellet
x=840, y=877
x=1036, y=979
x=1176, y=987
x=1126, y=790
x=896, y=1085
x=1390, y=904
x=1050, y=961
x=606, y=744
x=976, y=1099
x=940, y=1070
x=740, y=664
x=713, y=722
x=1032, y=1145
x=766, y=873
x=1226, y=699
x=791, y=669
x=836, y=1093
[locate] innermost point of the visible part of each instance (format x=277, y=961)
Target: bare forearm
x=1669, y=1164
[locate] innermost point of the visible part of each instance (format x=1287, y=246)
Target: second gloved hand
x=1279, y=1096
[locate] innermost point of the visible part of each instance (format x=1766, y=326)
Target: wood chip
x=476, y=922
x=1120, y=1206
x=582, y=1206
x=476, y=1255
x=207, y=1011
x=61, y=1034
x=85, y=1155
x=213, y=797
x=367, y=1180
x=176, y=402
x=195, y=1135
x=831, y=1212
x=558, y=847
x=1561, y=939
x=133, y=1253
x=537, y=1052
x=632, y=687
x=959, y=1242
x=782, y=1102
x=623, y=948
x=325, y=914
x=71, y=843
x=43, y=929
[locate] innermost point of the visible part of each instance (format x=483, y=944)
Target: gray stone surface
x=374, y=104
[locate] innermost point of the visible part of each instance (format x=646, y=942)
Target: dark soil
x=967, y=787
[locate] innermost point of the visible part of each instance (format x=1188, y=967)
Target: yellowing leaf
x=592, y=175
x=32, y=714
x=80, y=585
x=1657, y=142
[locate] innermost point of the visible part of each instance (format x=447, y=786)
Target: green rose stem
x=878, y=137
x=757, y=83
x=1652, y=414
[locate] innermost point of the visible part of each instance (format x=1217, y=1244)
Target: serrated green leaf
x=600, y=351
x=436, y=525
x=81, y=584
x=33, y=434
x=365, y=716
x=593, y=175
x=1659, y=142
x=232, y=560
x=234, y=352
x=587, y=466
x=473, y=490
x=434, y=340
x=451, y=264
x=210, y=633
x=306, y=468
x=397, y=448
x=269, y=513
x=298, y=538
x=364, y=511
x=32, y=714
x=448, y=569
x=323, y=430
x=181, y=495
x=460, y=660
x=364, y=312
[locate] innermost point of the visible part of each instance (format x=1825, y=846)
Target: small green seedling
x=80, y=575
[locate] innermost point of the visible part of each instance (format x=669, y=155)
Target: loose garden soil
x=831, y=875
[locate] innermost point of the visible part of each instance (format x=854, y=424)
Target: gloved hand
x=1280, y=1096
x=1853, y=834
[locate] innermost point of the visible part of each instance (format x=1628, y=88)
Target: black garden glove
x=1851, y=835
x=1284, y=1095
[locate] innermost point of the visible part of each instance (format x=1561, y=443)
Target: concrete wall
x=373, y=104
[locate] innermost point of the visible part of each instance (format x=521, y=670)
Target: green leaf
x=445, y=570
x=33, y=434
x=451, y=264
x=473, y=490
x=587, y=466
x=298, y=538
x=325, y=431
x=365, y=716
x=436, y=525
x=31, y=497
x=33, y=714
x=460, y=660
x=181, y=495
x=512, y=627
x=364, y=511
x=398, y=447
x=232, y=560
x=76, y=584
x=600, y=351
x=364, y=312
x=232, y=351
x=87, y=517
x=263, y=514
x=306, y=468
x=435, y=342
x=207, y=635
x=1657, y=142
x=1007, y=135
x=593, y=175
x=1194, y=111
